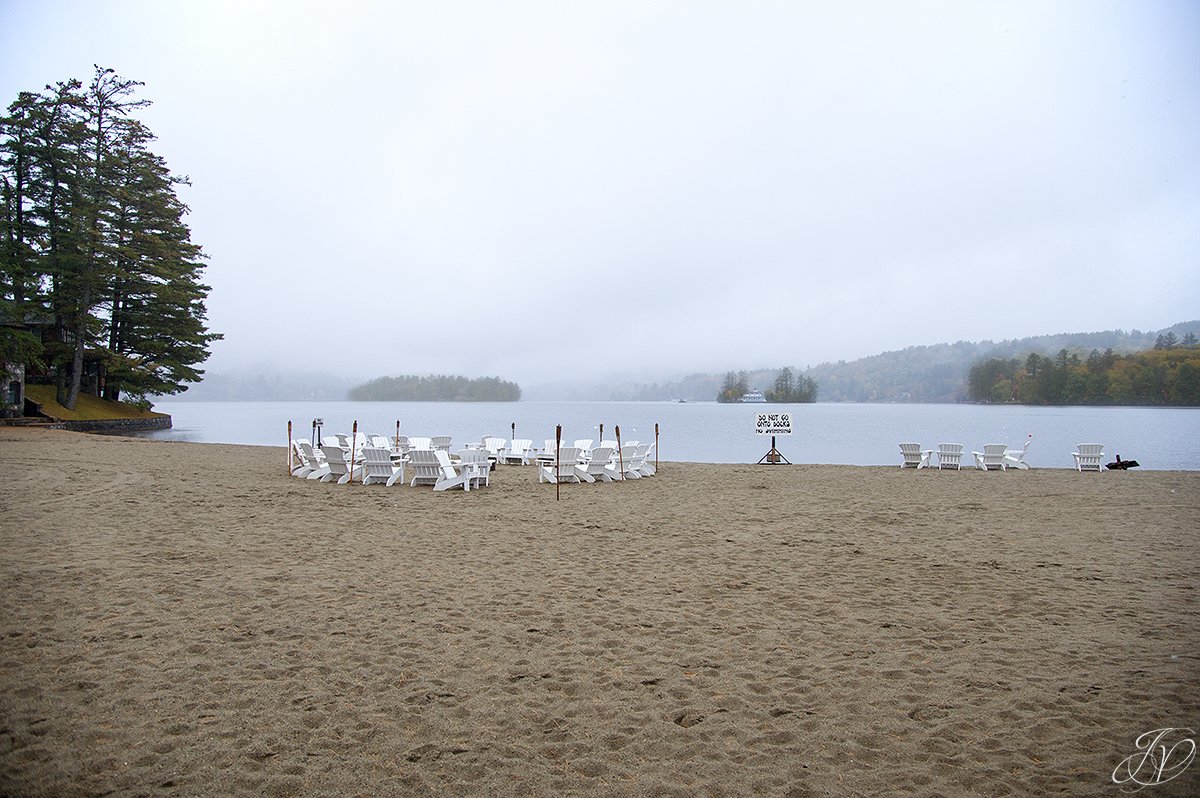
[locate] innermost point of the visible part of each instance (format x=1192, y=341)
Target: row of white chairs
x=605, y=463
x=994, y=457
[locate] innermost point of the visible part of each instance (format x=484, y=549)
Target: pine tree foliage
x=93, y=242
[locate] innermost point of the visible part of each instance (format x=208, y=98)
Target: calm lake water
x=707, y=432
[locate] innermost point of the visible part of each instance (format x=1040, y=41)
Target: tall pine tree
x=92, y=235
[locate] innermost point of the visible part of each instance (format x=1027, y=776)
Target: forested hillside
x=935, y=373
x=1167, y=375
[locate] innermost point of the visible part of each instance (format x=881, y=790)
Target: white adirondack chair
x=635, y=463
x=425, y=444
x=546, y=454
x=441, y=442
x=494, y=447
x=378, y=466
x=311, y=465
x=1015, y=458
x=562, y=469
x=647, y=468
x=622, y=464
x=991, y=458
x=1088, y=456
x=914, y=456
x=949, y=455
x=597, y=467
x=339, y=466
x=476, y=464
x=433, y=467
x=517, y=452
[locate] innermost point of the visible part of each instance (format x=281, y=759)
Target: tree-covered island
x=436, y=388
x=788, y=388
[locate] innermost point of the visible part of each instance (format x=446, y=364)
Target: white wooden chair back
x=597, y=465
x=991, y=458
x=377, y=464
x=425, y=466
x=477, y=466
x=1088, y=456
x=913, y=456
x=949, y=455
x=335, y=459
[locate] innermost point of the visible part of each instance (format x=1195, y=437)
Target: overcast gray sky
x=532, y=189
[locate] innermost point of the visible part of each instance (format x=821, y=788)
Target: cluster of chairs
x=378, y=458
x=374, y=458
x=581, y=462
x=994, y=457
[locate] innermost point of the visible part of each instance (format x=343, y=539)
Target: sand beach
x=188, y=620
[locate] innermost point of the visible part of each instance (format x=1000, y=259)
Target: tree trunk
x=76, y=369
x=80, y=344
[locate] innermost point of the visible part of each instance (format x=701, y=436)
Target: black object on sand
x=1121, y=465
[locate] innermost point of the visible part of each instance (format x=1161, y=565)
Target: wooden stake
x=353, y=443
x=291, y=454
x=620, y=454
x=656, y=446
x=601, y=441
x=397, y=434
x=557, y=459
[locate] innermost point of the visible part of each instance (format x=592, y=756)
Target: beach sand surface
x=184, y=619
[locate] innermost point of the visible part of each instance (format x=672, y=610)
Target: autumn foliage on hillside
x=1168, y=375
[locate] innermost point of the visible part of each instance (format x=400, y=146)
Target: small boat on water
x=753, y=397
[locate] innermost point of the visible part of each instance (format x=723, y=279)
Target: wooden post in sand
x=291, y=463
x=557, y=459
x=397, y=434
x=620, y=455
x=353, y=443
x=514, y=431
x=655, y=445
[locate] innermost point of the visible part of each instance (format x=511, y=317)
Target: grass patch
x=87, y=407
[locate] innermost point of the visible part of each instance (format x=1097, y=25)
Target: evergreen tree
x=729, y=389
x=92, y=234
x=784, y=388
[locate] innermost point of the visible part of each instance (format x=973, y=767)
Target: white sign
x=773, y=424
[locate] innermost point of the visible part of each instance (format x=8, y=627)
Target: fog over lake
x=545, y=191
